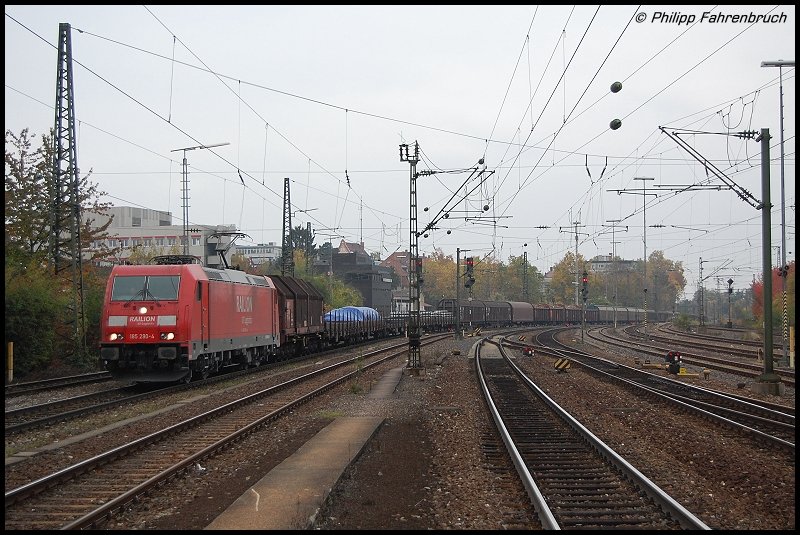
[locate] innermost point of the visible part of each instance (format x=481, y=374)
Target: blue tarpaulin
x=352, y=313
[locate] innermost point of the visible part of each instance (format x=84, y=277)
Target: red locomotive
x=169, y=322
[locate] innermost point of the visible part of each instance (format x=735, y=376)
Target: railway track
x=731, y=347
x=770, y=423
x=87, y=493
x=29, y=387
x=43, y=414
x=745, y=367
x=670, y=330
x=573, y=479
x=40, y=415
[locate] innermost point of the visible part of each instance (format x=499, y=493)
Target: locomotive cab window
x=152, y=287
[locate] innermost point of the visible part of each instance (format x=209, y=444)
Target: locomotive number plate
x=143, y=336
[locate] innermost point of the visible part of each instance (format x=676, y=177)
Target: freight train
x=509, y=313
x=176, y=319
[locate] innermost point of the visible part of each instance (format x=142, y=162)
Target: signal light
x=469, y=279
x=585, y=289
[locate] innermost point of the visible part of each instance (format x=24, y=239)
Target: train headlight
x=143, y=310
x=167, y=336
x=115, y=336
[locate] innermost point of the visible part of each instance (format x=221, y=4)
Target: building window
x=195, y=241
x=136, y=221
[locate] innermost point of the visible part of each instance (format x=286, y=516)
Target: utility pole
x=65, y=226
x=287, y=248
x=415, y=264
x=769, y=382
x=784, y=266
x=329, y=233
x=307, y=241
x=700, y=292
x=525, y=295
x=614, y=263
x=309, y=244
x=458, y=294
x=644, y=240
x=730, y=291
x=585, y=294
x=644, y=235
x=576, y=224
x=458, y=291
x=185, y=190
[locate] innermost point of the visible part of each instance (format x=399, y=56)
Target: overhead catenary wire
x=572, y=86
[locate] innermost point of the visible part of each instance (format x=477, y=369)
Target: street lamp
x=781, y=64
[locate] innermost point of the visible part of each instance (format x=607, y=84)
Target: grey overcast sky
x=325, y=95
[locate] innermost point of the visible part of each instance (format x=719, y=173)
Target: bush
x=682, y=322
x=34, y=313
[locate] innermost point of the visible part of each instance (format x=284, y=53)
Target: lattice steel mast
x=65, y=237
x=415, y=263
x=287, y=250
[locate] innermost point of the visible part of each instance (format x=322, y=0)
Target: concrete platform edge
x=307, y=476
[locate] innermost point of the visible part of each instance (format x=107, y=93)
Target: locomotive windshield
x=155, y=287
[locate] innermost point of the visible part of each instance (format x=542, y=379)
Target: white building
x=258, y=254
x=132, y=228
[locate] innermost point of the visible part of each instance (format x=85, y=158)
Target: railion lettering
x=244, y=303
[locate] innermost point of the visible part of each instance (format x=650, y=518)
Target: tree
x=512, y=281
x=777, y=298
x=666, y=281
x=29, y=193
x=439, y=277
x=562, y=285
x=303, y=240
x=35, y=296
x=242, y=262
x=144, y=254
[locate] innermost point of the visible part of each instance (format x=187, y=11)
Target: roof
x=351, y=247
